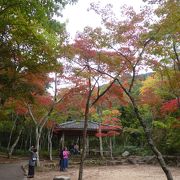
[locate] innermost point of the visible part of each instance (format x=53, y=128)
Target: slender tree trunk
x=86, y=115
x=151, y=143
x=101, y=147
x=22, y=141
x=50, y=135
x=50, y=150
x=26, y=142
x=83, y=148
x=10, y=137
x=114, y=142
x=148, y=135
x=14, y=144
x=48, y=145
x=38, y=136
x=30, y=138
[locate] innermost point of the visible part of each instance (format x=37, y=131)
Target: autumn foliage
x=110, y=125
x=170, y=106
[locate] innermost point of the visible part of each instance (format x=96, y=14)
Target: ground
x=123, y=172
x=10, y=169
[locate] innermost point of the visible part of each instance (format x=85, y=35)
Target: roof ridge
x=67, y=122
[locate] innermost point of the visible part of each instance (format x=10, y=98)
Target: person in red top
x=65, y=158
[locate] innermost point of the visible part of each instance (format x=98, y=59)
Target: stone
x=61, y=178
x=132, y=161
x=125, y=154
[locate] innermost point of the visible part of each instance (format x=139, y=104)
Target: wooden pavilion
x=75, y=129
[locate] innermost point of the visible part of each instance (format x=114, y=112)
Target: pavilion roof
x=78, y=125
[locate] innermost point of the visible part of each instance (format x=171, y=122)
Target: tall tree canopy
x=30, y=39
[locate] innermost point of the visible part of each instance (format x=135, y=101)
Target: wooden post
x=87, y=146
x=100, y=143
x=110, y=145
x=80, y=144
x=62, y=140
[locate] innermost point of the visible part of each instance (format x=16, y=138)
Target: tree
x=82, y=55
x=15, y=113
x=41, y=109
x=156, y=96
x=30, y=42
x=127, y=44
x=165, y=45
x=30, y=38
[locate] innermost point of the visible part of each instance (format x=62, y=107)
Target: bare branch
x=99, y=96
x=31, y=114
x=138, y=60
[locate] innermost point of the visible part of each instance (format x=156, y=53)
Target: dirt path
x=11, y=172
x=11, y=169
x=128, y=172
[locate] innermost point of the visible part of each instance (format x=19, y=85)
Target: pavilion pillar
x=110, y=145
x=62, y=140
x=80, y=144
x=87, y=145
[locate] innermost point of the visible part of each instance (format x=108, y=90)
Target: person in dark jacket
x=61, y=161
x=32, y=162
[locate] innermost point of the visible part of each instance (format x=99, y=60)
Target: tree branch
x=31, y=114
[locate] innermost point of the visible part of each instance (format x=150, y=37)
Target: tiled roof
x=78, y=125
x=74, y=128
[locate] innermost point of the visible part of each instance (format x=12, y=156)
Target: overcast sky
x=78, y=17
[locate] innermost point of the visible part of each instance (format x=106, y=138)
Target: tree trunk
x=50, y=135
x=151, y=143
x=83, y=149
x=148, y=135
x=22, y=141
x=30, y=138
x=10, y=137
x=114, y=142
x=86, y=115
x=26, y=142
x=14, y=144
x=38, y=136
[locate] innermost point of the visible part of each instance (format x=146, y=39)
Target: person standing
x=32, y=162
x=61, y=161
x=71, y=148
x=65, y=158
x=76, y=149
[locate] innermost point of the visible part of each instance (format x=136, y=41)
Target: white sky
x=78, y=17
